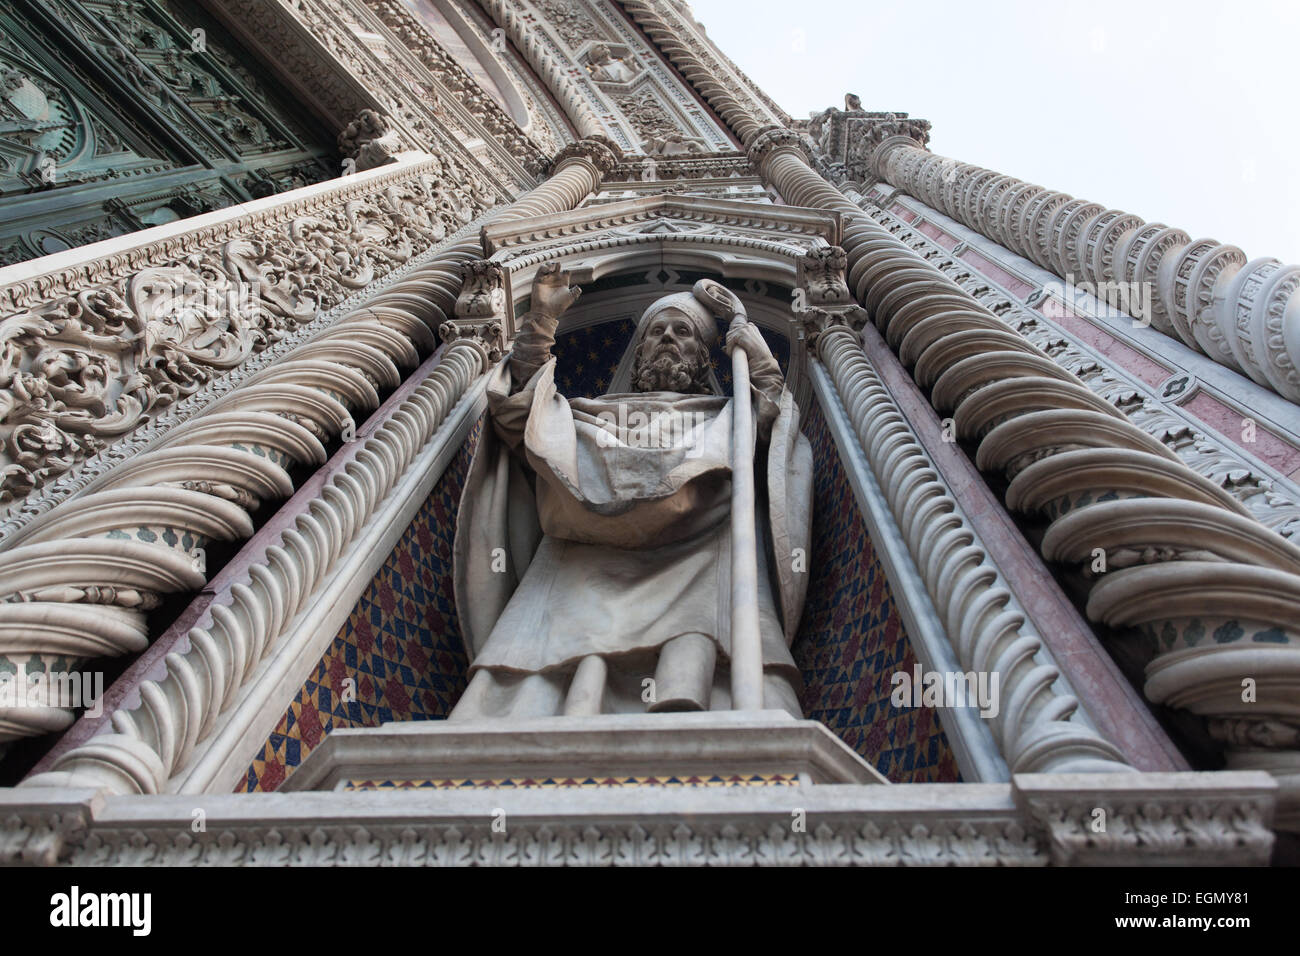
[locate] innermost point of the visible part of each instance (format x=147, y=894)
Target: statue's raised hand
x=744, y=335
x=552, y=294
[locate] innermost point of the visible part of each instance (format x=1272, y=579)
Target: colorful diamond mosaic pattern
x=401, y=645
x=852, y=640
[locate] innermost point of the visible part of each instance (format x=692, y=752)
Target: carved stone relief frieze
x=90, y=354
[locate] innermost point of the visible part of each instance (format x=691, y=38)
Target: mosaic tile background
x=852, y=640
x=586, y=359
x=401, y=644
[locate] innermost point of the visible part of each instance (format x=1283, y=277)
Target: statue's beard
x=667, y=371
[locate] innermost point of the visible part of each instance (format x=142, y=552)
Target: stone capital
x=773, y=139
x=823, y=301
x=601, y=153
x=482, y=309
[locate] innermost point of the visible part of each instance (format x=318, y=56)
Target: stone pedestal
x=733, y=748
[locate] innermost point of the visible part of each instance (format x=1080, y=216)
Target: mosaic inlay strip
x=560, y=783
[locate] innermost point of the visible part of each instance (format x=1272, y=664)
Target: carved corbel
x=482, y=313
x=822, y=300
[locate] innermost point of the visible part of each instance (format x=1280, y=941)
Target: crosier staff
x=746, y=643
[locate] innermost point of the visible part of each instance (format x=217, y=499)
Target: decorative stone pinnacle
x=855, y=140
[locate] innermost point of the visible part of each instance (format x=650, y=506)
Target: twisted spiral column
x=177, y=712
x=79, y=580
x=1034, y=731
x=1166, y=556
x=1243, y=314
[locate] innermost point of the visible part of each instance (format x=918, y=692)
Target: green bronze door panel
x=116, y=115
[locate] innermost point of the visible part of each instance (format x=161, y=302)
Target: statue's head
x=674, y=337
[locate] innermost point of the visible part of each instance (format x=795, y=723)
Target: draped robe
x=582, y=532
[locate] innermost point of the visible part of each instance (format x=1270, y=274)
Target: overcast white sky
x=1181, y=112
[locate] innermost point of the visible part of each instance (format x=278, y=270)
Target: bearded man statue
x=593, y=545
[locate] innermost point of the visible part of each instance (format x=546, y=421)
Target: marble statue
x=674, y=144
x=592, y=555
x=607, y=68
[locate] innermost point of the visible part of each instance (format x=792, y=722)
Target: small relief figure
x=370, y=141
x=852, y=102
x=607, y=68
x=674, y=144
x=593, y=546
